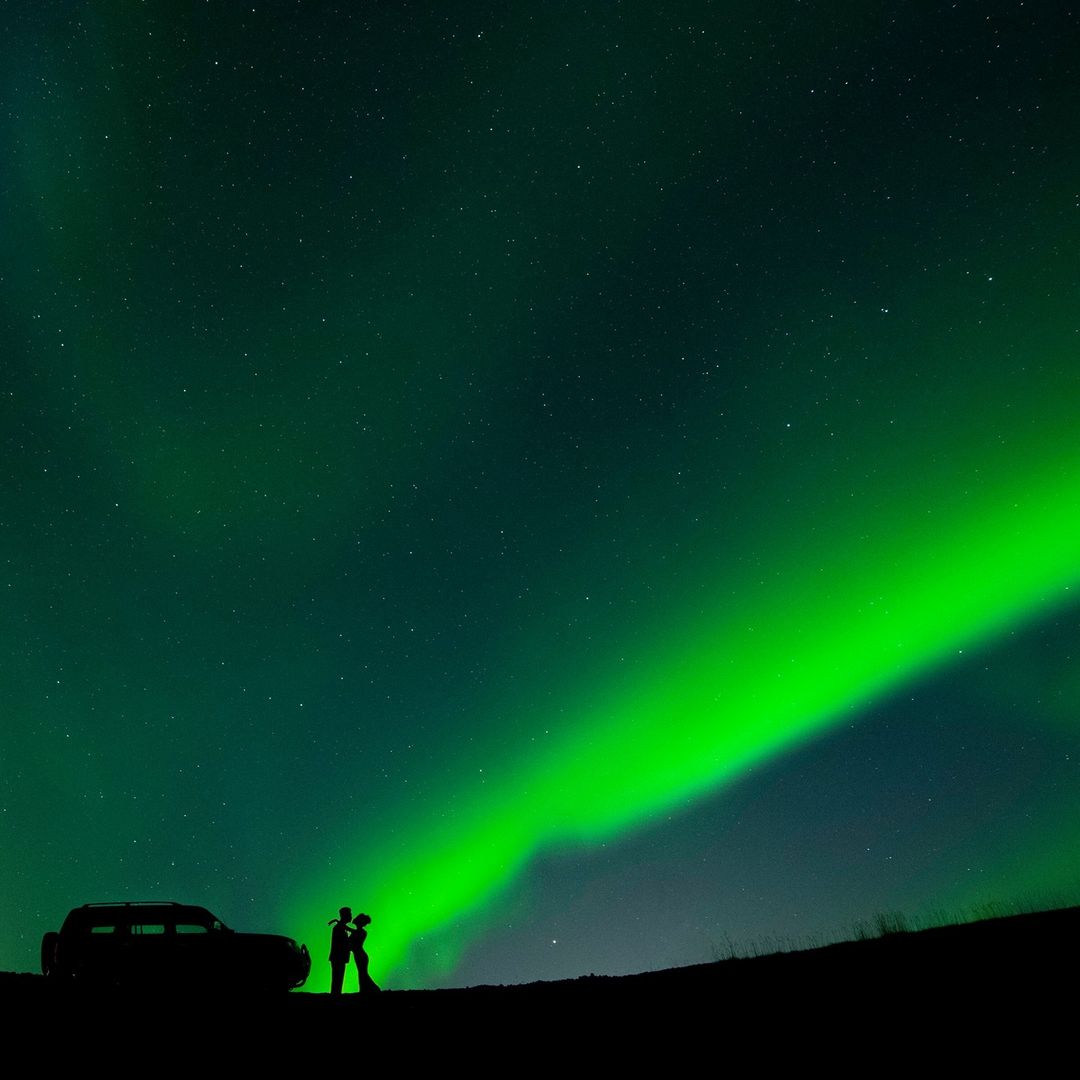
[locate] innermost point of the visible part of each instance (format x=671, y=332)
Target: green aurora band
x=790, y=662
x=290, y=295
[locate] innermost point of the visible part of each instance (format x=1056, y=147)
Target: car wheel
x=48, y=953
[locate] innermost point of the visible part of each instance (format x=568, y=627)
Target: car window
x=148, y=928
x=191, y=928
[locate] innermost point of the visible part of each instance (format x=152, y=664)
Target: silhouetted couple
x=344, y=941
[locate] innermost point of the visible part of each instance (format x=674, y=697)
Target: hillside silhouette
x=1017, y=967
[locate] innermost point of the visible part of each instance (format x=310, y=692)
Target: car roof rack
x=137, y=903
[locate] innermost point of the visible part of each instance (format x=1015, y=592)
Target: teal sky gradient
x=478, y=466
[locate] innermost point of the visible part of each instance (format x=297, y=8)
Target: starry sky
x=589, y=485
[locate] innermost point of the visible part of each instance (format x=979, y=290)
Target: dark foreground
x=998, y=986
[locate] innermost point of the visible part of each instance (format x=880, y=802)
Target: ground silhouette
x=976, y=986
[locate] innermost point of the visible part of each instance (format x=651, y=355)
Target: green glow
x=791, y=660
x=436, y=438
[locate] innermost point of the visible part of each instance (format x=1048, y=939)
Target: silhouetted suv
x=163, y=945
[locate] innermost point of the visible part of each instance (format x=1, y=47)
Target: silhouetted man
x=339, y=949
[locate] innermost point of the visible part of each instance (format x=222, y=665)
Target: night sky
x=588, y=485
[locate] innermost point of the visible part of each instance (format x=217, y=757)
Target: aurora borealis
x=581, y=485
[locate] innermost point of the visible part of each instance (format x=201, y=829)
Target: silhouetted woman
x=356, y=943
